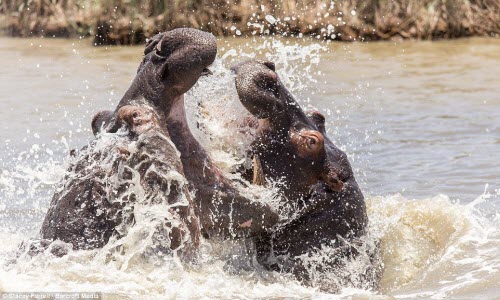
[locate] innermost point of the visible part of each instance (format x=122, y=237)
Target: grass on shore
x=132, y=21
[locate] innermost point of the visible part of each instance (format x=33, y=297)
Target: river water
x=420, y=122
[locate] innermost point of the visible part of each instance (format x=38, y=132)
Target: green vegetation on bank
x=132, y=21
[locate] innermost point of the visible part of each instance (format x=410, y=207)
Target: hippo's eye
x=308, y=142
x=135, y=114
x=313, y=142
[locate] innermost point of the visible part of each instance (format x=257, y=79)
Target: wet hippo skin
x=172, y=64
x=107, y=180
x=316, y=177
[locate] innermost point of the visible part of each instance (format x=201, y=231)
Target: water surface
x=420, y=122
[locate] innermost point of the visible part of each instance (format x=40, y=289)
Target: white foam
x=431, y=247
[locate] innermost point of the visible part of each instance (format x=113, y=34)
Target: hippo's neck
x=143, y=90
x=197, y=165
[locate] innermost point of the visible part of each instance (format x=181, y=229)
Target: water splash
x=431, y=247
x=218, y=118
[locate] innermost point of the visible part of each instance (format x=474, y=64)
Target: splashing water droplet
x=271, y=19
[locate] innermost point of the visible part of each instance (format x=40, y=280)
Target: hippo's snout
x=172, y=64
x=180, y=56
x=258, y=88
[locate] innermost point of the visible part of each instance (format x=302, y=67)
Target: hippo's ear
x=269, y=64
x=318, y=119
x=100, y=120
x=138, y=119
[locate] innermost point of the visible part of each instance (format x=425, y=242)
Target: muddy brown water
x=419, y=120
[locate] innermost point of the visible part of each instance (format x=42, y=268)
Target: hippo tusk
x=258, y=173
x=206, y=72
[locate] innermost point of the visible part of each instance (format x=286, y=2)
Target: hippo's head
x=293, y=145
x=173, y=62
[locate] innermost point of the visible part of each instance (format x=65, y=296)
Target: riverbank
x=132, y=21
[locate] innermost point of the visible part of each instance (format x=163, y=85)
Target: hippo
x=115, y=175
x=291, y=147
x=172, y=64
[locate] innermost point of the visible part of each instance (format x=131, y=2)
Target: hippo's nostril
x=333, y=182
x=336, y=185
x=135, y=115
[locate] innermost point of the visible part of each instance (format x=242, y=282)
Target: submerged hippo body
x=113, y=177
x=315, y=176
x=172, y=64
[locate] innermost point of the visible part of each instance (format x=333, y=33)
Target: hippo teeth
x=206, y=72
x=258, y=173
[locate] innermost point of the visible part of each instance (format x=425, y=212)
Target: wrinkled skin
x=85, y=210
x=316, y=176
x=172, y=64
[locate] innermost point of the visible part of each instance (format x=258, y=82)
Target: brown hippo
x=115, y=175
x=315, y=176
x=172, y=64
